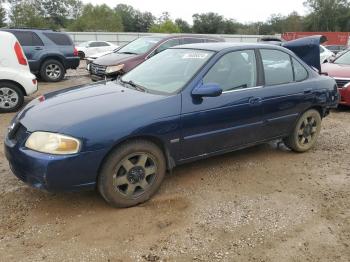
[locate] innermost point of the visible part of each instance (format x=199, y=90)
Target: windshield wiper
x=128, y=53
x=134, y=85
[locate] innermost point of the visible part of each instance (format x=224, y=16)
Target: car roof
x=171, y=36
x=217, y=47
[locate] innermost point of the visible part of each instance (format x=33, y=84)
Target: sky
x=241, y=10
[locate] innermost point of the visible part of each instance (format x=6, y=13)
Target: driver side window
x=234, y=71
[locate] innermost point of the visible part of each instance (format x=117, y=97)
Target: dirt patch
x=260, y=204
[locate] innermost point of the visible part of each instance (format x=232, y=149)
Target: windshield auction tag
x=194, y=55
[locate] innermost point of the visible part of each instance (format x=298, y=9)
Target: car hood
x=96, y=108
x=114, y=59
x=308, y=49
x=336, y=70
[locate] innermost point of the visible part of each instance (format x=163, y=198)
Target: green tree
x=208, y=23
x=25, y=14
x=183, y=26
x=327, y=15
x=98, y=18
x=134, y=20
x=167, y=26
x=2, y=16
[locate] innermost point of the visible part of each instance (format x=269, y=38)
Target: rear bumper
x=72, y=62
x=344, y=96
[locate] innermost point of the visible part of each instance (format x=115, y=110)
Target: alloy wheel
x=135, y=174
x=8, y=98
x=307, y=131
x=53, y=71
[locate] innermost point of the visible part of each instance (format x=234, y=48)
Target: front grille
x=96, y=69
x=342, y=82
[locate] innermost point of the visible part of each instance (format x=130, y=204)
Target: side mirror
x=207, y=90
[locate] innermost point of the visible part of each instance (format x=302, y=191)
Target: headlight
x=52, y=143
x=114, y=69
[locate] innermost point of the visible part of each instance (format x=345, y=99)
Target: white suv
x=16, y=80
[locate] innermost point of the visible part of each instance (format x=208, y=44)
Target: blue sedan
x=184, y=104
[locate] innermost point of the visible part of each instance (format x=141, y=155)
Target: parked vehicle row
x=49, y=53
x=185, y=103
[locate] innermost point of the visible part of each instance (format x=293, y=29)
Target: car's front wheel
x=11, y=97
x=132, y=173
x=52, y=71
x=305, y=133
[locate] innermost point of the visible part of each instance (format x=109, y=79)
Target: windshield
x=140, y=46
x=83, y=44
x=343, y=59
x=168, y=71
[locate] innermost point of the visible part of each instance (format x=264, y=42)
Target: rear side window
x=277, y=67
x=59, y=39
x=300, y=72
x=27, y=38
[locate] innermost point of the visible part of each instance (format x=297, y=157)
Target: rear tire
x=132, y=173
x=52, y=71
x=81, y=55
x=305, y=133
x=11, y=97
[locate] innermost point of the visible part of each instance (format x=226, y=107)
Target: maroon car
x=339, y=69
x=129, y=56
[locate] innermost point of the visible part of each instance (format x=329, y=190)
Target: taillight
x=34, y=81
x=19, y=53
x=75, y=52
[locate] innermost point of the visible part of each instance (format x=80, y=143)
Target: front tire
x=52, y=71
x=305, y=133
x=132, y=173
x=11, y=97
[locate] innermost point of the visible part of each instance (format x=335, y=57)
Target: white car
x=16, y=80
x=90, y=48
x=326, y=55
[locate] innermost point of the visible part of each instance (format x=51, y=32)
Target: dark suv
x=131, y=55
x=49, y=53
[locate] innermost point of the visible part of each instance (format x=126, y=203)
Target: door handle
x=308, y=91
x=38, y=48
x=255, y=100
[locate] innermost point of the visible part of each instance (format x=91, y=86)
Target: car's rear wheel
x=52, y=71
x=132, y=173
x=11, y=97
x=81, y=55
x=305, y=133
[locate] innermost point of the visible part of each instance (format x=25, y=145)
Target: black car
x=49, y=53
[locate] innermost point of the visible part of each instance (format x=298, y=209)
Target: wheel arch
x=319, y=109
x=57, y=57
x=15, y=83
x=170, y=163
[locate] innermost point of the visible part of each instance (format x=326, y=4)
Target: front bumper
x=344, y=96
x=51, y=172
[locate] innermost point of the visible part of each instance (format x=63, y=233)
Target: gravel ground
x=259, y=204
